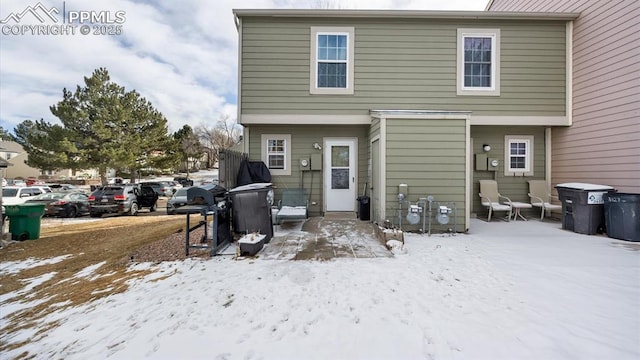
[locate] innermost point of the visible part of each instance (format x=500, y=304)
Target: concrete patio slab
x=337, y=235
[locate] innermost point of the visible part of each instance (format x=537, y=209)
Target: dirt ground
x=79, y=243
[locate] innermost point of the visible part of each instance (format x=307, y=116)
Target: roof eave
x=415, y=14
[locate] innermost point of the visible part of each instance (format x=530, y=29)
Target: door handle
x=353, y=179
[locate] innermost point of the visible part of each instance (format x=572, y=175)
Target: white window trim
x=528, y=170
x=287, y=153
x=494, y=90
x=313, y=68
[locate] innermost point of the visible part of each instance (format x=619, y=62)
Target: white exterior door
x=340, y=174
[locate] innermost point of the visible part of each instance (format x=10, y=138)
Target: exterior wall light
x=486, y=147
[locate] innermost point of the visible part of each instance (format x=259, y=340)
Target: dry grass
x=114, y=241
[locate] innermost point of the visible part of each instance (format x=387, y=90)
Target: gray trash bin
x=583, y=207
x=622, y=216
x=251, y=209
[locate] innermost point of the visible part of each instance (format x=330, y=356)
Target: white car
x=14, y=195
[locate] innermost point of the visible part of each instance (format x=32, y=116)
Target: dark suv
x=122, y=199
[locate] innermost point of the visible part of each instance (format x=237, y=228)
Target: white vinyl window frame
x=521, y=142
x=494, y=89
x=313, y=68
x=287, y=152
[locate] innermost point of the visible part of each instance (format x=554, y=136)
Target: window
x=518, y=155
x=478, y=70
x=331, y=69
x=276, y=153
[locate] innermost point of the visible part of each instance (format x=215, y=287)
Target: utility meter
x=304, y=163
x=493, y=163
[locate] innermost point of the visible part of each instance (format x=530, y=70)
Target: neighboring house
x=346, y=102
x=602, y=145
x=16, y=156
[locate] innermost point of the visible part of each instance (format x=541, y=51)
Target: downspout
x=238, y=23
x=547, y=156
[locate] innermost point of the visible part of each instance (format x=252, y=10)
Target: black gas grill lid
x=207, y=195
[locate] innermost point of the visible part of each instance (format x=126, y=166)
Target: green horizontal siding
x=302, y=139
x=404, y=64
x=515, y=188
x=429, y=156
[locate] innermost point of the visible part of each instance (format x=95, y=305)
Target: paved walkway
x=324, y=238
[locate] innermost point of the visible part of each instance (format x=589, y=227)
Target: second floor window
x=478, y=62
x=332, y=60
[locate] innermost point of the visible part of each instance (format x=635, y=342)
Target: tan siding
x=302, y=139
x=408, y=64
x=429, y=156
x=603, y=145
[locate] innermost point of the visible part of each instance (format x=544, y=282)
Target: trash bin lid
x=249, y=187
x=584, y=186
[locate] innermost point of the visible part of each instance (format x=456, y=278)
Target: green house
x=346, y=103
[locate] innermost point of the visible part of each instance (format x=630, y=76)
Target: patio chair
x=490, y=198
x=293, y=206
x=541, y=197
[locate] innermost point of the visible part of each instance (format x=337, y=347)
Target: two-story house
x=352, y=102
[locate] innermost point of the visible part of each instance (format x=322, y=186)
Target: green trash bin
x=24, y=220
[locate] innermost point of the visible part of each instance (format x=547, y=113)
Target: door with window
x=340, y=174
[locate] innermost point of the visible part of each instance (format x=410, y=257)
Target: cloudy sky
x=182, y=58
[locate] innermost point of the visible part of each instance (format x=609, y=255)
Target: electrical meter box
x=316, y=162
x=403, y=189
x=493, y=164
x=481, y=162
x=304, y=164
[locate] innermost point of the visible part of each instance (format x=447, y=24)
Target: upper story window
x=331, y=60
x=478, y=70
x=276, y=153
x=518, y=155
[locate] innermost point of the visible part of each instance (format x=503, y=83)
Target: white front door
x=340, y=174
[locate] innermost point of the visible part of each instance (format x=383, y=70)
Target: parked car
x=179, y=199
x=18, y=182
x=63, y=187
x=184, y=181
x=63, y=204
x=163, y=188
x=214, y=181
x=14, y=195
x=122, y=199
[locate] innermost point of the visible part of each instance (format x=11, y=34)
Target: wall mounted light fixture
x=486, y=147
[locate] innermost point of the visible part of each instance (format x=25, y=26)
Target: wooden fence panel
x=228, y=166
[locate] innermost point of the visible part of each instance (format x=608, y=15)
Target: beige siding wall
x=515, y=188
x=603, y=145
x=302, y=139
x=402, y=64
x=429, y=156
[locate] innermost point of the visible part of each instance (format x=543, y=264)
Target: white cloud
x=180, y=56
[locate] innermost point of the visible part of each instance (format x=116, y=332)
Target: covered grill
x=208, y=200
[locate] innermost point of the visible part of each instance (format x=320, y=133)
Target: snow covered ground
x=519, y=290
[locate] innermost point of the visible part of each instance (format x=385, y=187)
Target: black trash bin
x=251, y=209
x=364, y=208
x=622, y=216
x=583, y=207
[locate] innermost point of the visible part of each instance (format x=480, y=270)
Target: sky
x=182, y=58
x=507, y=290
